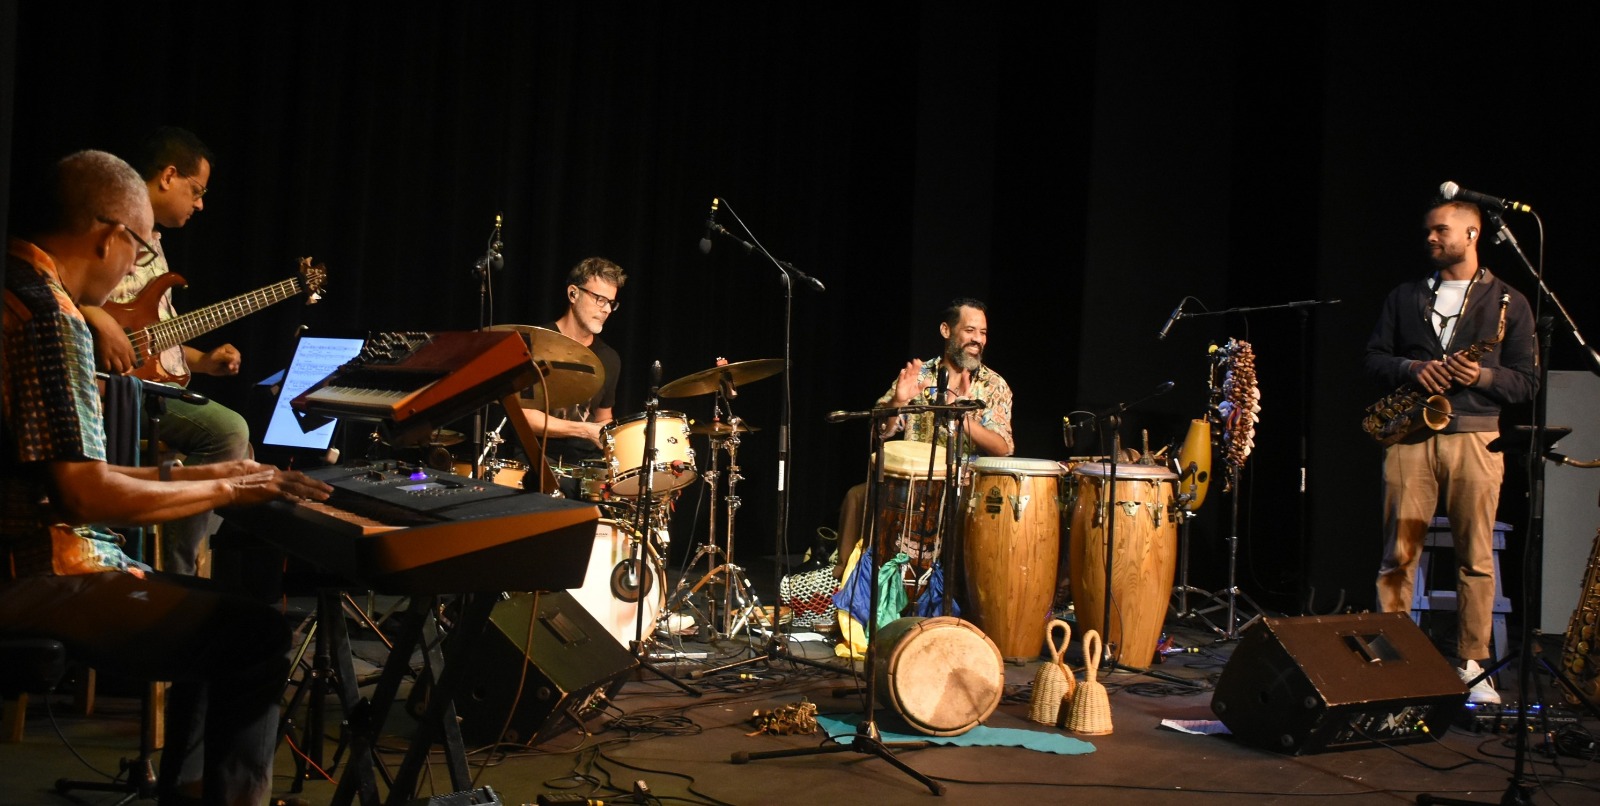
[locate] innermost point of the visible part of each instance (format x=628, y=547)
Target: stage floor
x=680, y=747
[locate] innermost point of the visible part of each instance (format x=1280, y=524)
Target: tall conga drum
x=1143, y=561
x=908, y=508
x=1013, y=544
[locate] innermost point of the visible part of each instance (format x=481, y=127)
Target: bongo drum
x=1143, y=562
x=943, y=675
x=1013, y=543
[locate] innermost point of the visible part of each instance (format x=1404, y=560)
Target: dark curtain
x=1082, y=168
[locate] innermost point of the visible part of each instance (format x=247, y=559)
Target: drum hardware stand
x=1228, y=598
x=867, y=739
x=1182, y=590
x=491, y=446
x=484, y=270
x=643, y=519
x=739, y=603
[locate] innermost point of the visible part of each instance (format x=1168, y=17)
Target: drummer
x=965, y=329
x=574, y=431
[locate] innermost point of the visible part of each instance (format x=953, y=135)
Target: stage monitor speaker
x=572, y=666
x=1305, y=685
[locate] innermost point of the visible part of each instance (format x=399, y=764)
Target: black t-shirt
x=571, y=450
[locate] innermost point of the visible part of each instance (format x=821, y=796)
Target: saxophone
x=1580, y=654
x=1406, y=410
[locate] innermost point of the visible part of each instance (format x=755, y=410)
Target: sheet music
x=315, y=358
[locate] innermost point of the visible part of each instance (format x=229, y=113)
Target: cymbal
x=721, y=430
x=572, y=373
x=707, y=381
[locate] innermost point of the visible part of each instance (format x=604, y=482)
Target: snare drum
x=504, y=472
x=943, y=675
x=1143, y=562
x=908, y=508
x=1013, y=543
x=625, y=449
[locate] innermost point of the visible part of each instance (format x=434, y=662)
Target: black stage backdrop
x=1080, y=167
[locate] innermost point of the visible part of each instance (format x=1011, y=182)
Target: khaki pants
x=1460, y=467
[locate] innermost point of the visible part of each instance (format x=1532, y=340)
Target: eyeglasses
x=146, y=253
x=604, y=302
x=199, y=189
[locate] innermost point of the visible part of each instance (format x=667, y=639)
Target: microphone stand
x=789, y=274
x=1519, y=790
x=484, y=270
x=642, y=534
x=866, y=739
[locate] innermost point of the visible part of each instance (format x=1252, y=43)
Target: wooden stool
x=1423, y=598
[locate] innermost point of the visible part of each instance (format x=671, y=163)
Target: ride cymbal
x=711, y=380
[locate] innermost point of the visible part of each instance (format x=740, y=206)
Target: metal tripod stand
x=738, y=607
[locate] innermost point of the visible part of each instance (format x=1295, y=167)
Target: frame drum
x=1013, y=543
x=1145, y=558
x=943, y=675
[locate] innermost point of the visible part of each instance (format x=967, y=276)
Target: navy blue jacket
x=1404, y=334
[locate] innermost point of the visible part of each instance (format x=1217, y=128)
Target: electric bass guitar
x=150, y=335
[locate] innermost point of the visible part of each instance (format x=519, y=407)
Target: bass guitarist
x=176, y=167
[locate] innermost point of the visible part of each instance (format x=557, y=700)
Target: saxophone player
x=1441, y=333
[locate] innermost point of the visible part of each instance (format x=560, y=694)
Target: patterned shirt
x=51, y=411
x=987, y=386
x=173, y=360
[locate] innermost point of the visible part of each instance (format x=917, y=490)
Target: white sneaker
x=1484, y=691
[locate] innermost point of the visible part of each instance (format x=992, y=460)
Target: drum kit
x=648, y=461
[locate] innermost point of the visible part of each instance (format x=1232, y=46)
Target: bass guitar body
x=136, y=318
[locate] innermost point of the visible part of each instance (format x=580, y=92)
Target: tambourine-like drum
x=592, y=477
x=943, y=675
x=611, y=590
x=908, y=506
x=624, y=443
x=1013, y=544
x=1143, y=561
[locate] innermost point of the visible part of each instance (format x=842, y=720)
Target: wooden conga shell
x=1013, y=520
x=1144, y=561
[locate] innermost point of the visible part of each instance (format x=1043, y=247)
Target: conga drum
x=1013, y=544
x=1142, y=563
x=908, y=508
x=943, y=675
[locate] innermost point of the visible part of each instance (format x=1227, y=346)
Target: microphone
x=1455, y=192
x=941, y=383
x=711, y=226
x=842, y=415
x=492, y=259
x=1177, y=313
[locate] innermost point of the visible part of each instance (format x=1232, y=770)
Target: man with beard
x=1419, y=339
x=572, y=434
x=965, y=328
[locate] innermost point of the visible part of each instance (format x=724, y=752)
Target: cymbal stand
x=491, y=445
x=739, y=603
x=867, y=738
x=645, y=522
